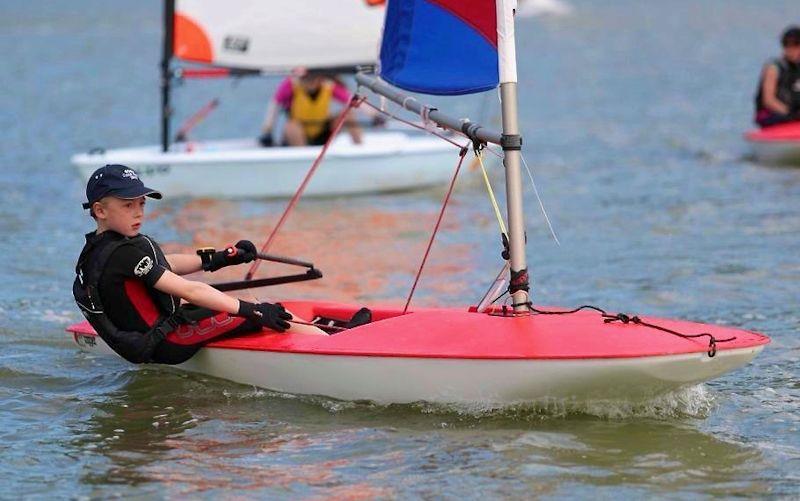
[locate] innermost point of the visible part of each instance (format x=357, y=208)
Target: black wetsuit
x=787, y=92
x=114, y=287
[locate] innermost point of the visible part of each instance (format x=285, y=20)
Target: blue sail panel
x=428, y=47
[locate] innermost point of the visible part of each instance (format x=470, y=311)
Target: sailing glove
x=271, y=316
x=243, y=252
x=265, y=140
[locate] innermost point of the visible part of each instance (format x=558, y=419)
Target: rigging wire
x=535, y=191
x=462, y=154
x=539, y=199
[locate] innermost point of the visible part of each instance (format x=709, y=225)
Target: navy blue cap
x=791, y=36
x=118, y=181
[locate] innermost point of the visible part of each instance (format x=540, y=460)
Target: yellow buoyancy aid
x=311, y=113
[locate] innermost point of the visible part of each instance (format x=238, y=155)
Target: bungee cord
x=507, y=310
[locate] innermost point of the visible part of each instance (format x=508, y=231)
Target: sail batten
x=278, y=35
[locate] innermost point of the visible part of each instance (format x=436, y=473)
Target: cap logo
x=143, y=267
x=130, y=174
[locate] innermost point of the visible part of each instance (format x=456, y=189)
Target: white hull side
x=386, y=161
x=503, y=382
x=774, y=152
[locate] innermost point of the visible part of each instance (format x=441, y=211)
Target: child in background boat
x=778, y=97
x=131, y=292
x=307, y=100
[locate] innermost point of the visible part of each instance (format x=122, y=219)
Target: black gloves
x=243, y=252
x=378, y=121
x=271, y=316
x=265, y=140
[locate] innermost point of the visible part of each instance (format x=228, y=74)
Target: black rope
x=618, y=317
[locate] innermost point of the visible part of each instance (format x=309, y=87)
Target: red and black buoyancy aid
x=134, y=346
x=788, y=89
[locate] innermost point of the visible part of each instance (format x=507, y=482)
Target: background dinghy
x=778, y=144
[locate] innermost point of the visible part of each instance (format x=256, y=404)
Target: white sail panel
x=506, y=44
x=278, y=34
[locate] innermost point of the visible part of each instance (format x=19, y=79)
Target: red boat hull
x=460, y=356
x=779, y=144
x=451, y=333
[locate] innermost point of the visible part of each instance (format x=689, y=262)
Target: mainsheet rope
x=354, y=102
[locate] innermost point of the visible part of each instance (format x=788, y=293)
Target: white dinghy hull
x=385, y=162
x=502, y=382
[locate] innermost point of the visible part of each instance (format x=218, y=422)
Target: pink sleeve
x=283, y=95
x=340, y=93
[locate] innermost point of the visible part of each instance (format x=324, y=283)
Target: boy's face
x=121, y=215
x=792, y=52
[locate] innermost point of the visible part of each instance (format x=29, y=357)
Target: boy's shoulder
x=136, y=258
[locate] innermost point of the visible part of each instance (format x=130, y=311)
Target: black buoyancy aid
x=135, y=347
x=788, y=89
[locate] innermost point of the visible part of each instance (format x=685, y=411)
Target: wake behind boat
x=386, y=161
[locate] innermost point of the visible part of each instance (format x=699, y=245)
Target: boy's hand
x=271, y=316
x=243, y=252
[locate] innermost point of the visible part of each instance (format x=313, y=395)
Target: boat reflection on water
x=207, y=435
x=367, y=251
x=131, y=427
x=203, y=435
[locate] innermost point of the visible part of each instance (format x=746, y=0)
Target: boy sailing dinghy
x=249, y=37
x=485, y=354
